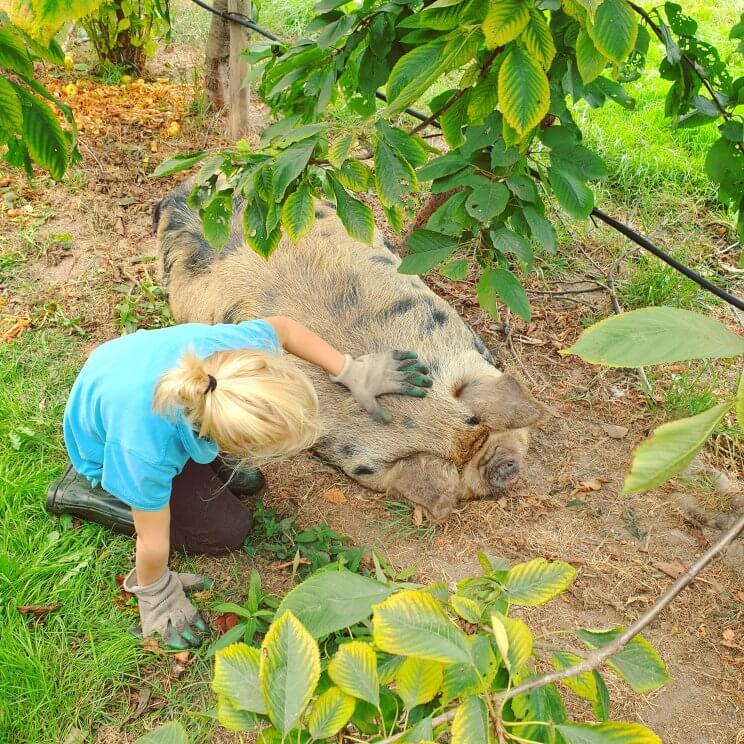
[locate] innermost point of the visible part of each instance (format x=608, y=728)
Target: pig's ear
x=428, y=481
x=500, y=402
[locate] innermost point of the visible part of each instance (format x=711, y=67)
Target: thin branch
x=600, y=288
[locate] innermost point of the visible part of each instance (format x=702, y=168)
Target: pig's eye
x=473, y=421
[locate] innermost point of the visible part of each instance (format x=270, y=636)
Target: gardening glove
x=385, y=372
x=165, y=609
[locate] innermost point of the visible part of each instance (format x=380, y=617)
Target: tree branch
x=600, y=655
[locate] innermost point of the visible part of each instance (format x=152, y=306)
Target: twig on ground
x=602, y=654
x=93, y=155
x=600, y=288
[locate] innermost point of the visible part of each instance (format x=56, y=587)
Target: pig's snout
x=503, y=473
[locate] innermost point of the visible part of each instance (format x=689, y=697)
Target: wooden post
x=238, y=96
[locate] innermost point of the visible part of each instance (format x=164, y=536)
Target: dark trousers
x=206, y=516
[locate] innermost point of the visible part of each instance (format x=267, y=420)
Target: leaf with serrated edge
x=354, y=670
x=298, y=214
x=43, y=136
x=427, y=249
x=503, y=284
x=524, y=93
x=355, y=216
x=466, y=608
x=572, y=192
x=639, y=663
x=518, y=639
x=461, y=680
x=170, y=733
x=418, y=681
x=615, y=29
x=504, y=21
x=339, y=149
x=330, y=713
x=589, y=60
x=234, y=718
x=289, y=671
x=584, y=685
x=236, y=677
x=11, y=114
x=394, y=176
x=607, y=733
x=538, y=38
x=671, y=448
x=470, y=724
x=537, y=581
x=412, y=623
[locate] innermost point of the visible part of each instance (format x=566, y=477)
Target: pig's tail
x=255, y=405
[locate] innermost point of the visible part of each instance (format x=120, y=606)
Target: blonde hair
x=257, y=407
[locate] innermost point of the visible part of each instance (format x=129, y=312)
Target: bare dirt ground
x=568, y=504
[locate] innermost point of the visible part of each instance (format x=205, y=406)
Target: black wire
x=626, y=230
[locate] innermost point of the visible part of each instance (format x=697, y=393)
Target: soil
x=567, y=506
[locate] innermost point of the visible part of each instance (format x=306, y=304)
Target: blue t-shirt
x=113, y=436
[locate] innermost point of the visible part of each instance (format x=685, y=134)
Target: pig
x=467, y=439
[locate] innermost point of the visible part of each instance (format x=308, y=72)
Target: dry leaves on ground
x=334, y=495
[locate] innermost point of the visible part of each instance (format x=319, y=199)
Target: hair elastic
x=211, y=385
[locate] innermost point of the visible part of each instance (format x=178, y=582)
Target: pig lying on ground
x=465, y=440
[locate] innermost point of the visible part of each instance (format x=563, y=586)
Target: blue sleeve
x=133, y=480
x=259, y=334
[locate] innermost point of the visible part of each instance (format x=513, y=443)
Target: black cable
x=625, y=230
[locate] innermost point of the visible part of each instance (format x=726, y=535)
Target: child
x=150, y=411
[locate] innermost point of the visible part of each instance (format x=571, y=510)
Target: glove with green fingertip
x=165, y=609
x=386, y=372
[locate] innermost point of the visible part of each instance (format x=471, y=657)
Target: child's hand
x=385, y=372
x=165, y=609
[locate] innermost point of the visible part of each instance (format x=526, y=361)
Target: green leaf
x=615, y=29
x=468, y=609
x=484, y=98
x=418, y=681
x=740, y=402
x=327, y=602
x=524, y=93
x=46, y=142
x=354, y=175
x=289, y=671
x=522, y=187
x=537, y=581
x=572, y=192
x=587, y=685
x=655, y=335
x=456, y=270
x=216, y=217
x=11, y=114
x=13, y=55
x=542, y=231
x=639, y=663
x=579, y=160
x=514, y=641
x=671, y=448
x=607, y=733
x=507, y=241
x=538, y=38
x=454, y=119
x=394, y=177
x=485, y=202
x=463, y=679
x=412, y=623
x=170, y=733
x=298, y=214
x=290, y=163
x=234, y=718
x=339, y=149
x=41, y=19
x=589, y=60
x=356, y=217
x=354, y=670
x=413, y=70
x=442, y=166
x=505, y=20
x=470, y=724
x=179, y=163
x=233, y=635
x=236, y=677
x=261, y=240
x=502, y=283
x=427, y=249
x=330, y=713
x=724, y=164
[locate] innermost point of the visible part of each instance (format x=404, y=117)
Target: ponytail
x=253, y=404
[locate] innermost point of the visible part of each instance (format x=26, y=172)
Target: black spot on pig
x=201, y=256
x=409, y=422
x=156, y=216
x=233, y=314
x=349, y=450
x=348, y=297
x=168, y=260
x=480, y=347
x=363, y=470
x=398, y=308
x=390, y=246
x=381, y=260
x=434, y=367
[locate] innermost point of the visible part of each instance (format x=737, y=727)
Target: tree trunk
x=217, y=58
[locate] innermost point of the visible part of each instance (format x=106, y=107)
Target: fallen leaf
x=614, y=431
x=142, y=697
x=120, y=226
x=740, y=596
x=224, y=621
x=674, y=569
x=150, y=643
x=38, y=609
x=182, y=656
x=334, y=496
x=595, y=484
x=729, y=635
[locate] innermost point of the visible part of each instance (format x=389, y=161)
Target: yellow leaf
x=354, y=670
x=41, y=19
x=236, y=676
x=504, y=21
x=518, y=641
x=418, y=681
x=330, y=713
x=524, y=92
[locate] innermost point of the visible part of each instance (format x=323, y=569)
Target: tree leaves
x=394, y=177
x=236, y=677
x=216, y=216
x=537, y=581
x=514, y=641
x=504, y=21
x=671, y=448
x=47, y=144
x=538, y=38
x=413, y=623
x=13, y=55
x=298, y=213
x=11, y=114
x=354, y=670
x=639, y=663
x=179, y=163
x=614, y=30
x=356, y=217
x=339, y=149
x=607, y=733
x=413, y=71
x=418, y=681
x=655, y=335
x=290, y=163
x=524, y=94
x=501, y=283
x=170, y=733
x=590, y=61
x=330, y=713
x=587, y=685
x=571, y=191
x=289, y=672
x=485, y=202
x=427, y=249
x=470, y=724
x=41, y=19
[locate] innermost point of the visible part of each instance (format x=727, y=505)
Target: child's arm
x=153, y=544
x=367, y=377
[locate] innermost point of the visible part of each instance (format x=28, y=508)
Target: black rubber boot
x=242, y=482
x=73, y=494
